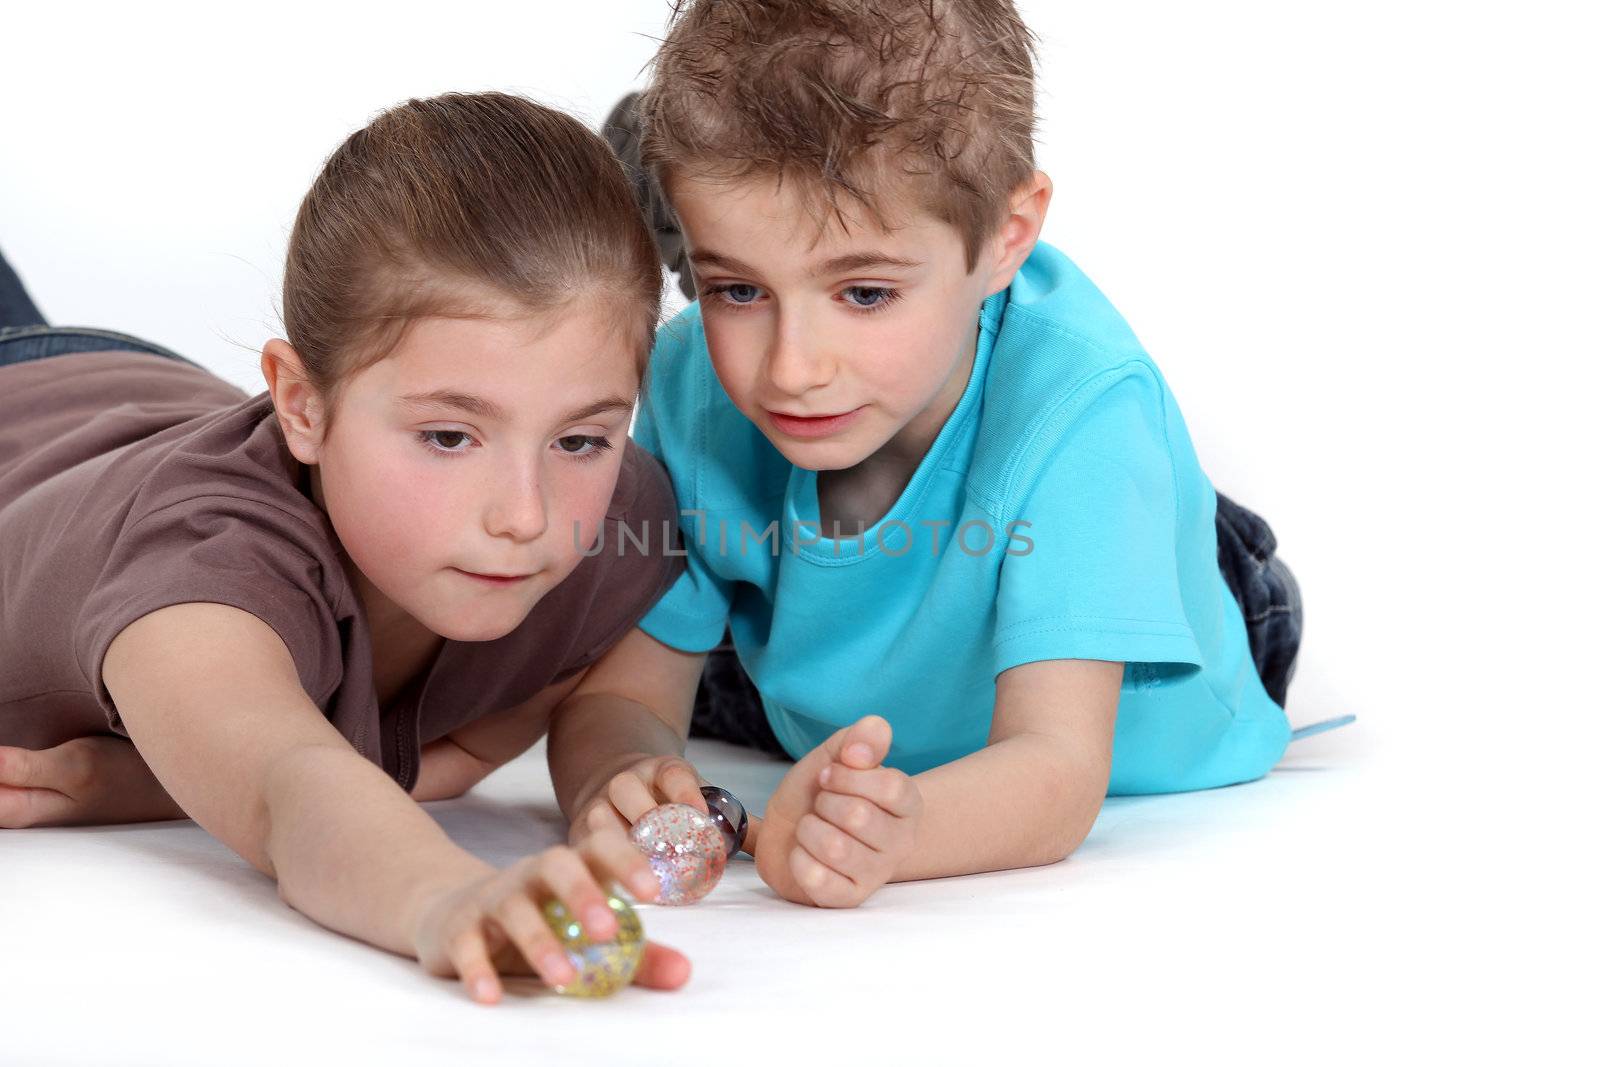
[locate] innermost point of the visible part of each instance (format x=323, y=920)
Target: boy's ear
x=1019, y=231
x=298, y=404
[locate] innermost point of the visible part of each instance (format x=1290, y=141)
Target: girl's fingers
x=630, y=796
x=22, y=808
x=861, y=819
x=677, y=782
x=662, y=967
x=523, y=924
x=616, y=858
x=833, y=846
x=470, y=956
x=890, y=789
x=19, y=766
x=562, y=873
x=826, y=887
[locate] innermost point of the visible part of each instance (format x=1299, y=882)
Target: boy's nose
x=796, y=363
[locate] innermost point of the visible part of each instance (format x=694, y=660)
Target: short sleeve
x=244, y=553
x=1091, y=571
x=694, y=612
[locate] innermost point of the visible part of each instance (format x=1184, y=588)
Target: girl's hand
x=635, y=790
x=492, y=924
x=100, y=779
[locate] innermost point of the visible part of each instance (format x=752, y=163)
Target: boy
x=925, y=470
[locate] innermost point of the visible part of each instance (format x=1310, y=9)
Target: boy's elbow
x=1064, y=844
x=1076, y=812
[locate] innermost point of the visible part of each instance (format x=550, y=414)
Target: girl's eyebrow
x=445, y=398
x=488, y=409
x=599, y=407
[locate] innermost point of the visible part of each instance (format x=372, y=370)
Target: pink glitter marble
x=685, y=849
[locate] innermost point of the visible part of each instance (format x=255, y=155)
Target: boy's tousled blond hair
x=851, y=97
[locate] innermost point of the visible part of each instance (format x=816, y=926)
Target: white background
x=1359, y=239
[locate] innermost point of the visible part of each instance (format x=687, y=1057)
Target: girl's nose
x=517, y=510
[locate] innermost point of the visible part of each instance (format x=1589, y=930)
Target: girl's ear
x=1019, y=232
x=298, y=404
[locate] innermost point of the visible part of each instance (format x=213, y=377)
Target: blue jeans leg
x=20, y=344
x=25, y=335
x=1267, y=593
x=16, y=306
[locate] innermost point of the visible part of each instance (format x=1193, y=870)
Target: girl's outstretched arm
x=211, y=697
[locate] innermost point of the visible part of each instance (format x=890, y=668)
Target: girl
x=371, y=580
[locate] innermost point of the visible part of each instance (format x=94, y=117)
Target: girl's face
x=466, y=472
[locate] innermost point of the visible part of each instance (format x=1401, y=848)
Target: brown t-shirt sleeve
x=634, y=578
x=237, y=551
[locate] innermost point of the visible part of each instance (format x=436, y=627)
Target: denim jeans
x=25, y=335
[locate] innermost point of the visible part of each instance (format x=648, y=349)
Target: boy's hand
x=633, y=791
x=491, y=924
x=840, y=823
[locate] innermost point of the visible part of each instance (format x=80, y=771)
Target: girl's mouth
x=499, y=580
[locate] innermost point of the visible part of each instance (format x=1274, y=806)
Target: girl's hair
x=448, y=205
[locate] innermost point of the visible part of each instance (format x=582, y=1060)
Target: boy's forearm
x=595, y=735
x=351, y=851
x=1044, y=811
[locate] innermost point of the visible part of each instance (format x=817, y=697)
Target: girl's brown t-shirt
x=131, y=482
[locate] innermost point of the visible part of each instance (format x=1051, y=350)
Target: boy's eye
x=868, y=296
x=738, y=292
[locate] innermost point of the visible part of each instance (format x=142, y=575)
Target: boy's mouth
x=812, y=425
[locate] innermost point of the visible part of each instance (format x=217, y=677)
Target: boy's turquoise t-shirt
x=1060, y=514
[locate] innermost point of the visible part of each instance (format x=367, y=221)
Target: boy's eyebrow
x=852, y=261
x=706, y=258
x=855, y=261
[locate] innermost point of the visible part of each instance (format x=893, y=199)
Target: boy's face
x=840, y=345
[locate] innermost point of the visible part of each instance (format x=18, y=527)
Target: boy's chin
x=821, y=455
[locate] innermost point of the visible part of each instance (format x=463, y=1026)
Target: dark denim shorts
x=22, y=344
x=727, y=706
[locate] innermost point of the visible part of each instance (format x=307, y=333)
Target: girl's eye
x=445, y=442
x=582, y=446
x=737, y=293
x=869, y=297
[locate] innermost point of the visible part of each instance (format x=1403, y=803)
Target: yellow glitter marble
x=603, y=966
